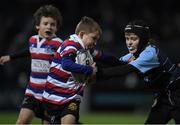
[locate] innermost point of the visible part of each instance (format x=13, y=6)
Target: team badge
x=49, y=49
x=131, y=59
x=72, y=106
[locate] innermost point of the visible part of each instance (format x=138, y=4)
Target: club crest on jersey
x=131, y=59
x=72, y=106
x=49, y=49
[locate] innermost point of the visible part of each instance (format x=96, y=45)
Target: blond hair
x=88, y=25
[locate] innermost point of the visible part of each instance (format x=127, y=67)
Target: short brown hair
x=88, y=25
x=48, y=11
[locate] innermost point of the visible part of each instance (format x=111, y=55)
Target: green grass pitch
x=90, y=118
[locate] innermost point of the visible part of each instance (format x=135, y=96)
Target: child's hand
x=94, y=68
x=4, y=59
x=92, y=78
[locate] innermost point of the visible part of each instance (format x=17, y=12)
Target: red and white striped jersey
x=42, y=51
x=61, y=87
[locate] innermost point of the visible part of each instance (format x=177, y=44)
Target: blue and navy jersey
x=151, y=61
x=147, y=60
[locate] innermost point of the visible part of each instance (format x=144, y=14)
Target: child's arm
x=117, y=71
x=110, y=60
x=106, y=59
x=20, y=54
x=69, y=64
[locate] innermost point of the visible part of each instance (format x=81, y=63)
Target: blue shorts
x=35, y=105
x=56, y=112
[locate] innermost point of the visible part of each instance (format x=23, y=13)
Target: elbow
x=65, y=66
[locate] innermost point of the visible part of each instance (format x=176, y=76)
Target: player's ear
x=37, y=27
x=81, y=33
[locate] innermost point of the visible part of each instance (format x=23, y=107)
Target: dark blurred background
x=116, y=94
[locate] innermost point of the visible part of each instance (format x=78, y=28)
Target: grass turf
x=90, y=118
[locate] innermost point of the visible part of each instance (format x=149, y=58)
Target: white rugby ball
x=83, y=58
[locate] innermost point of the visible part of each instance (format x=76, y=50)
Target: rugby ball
x=83, y=57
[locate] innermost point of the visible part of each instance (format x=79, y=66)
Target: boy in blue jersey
x=158, y=72
x=41, y=49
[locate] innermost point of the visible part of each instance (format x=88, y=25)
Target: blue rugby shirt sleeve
x=126, y=57
x=146, y=61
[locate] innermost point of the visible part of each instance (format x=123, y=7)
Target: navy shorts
x=35, y=105
x=56, y=112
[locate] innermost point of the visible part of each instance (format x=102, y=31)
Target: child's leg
x=68, y=119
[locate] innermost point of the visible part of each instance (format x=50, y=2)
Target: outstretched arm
x=106, y=59
x=116, y=71
x=20, y=54
x=110, y=60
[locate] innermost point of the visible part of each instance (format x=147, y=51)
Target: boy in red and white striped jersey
x=63, y=93
x=41, y=50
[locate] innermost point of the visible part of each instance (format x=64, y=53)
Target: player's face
x=90, y=39
x=47, y=27
x=132, y=42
